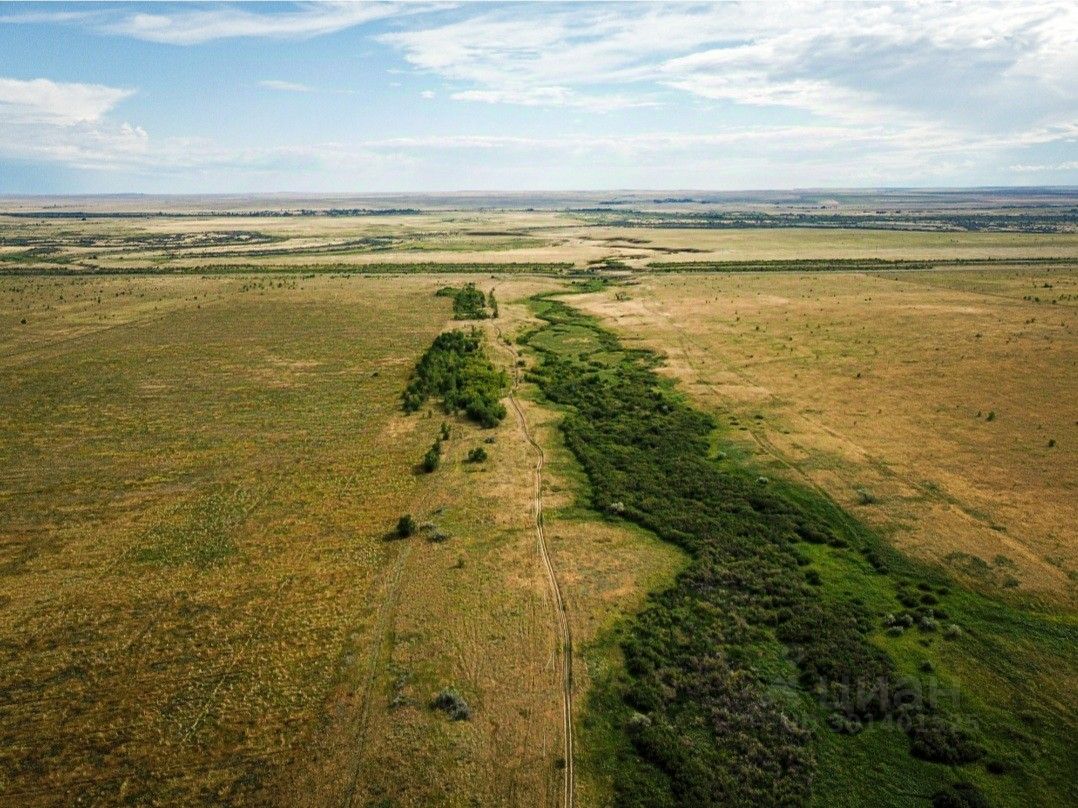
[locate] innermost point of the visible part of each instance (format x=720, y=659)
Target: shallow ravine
x=816, y=617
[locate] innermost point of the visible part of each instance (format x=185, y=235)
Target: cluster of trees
x=457, y=368
x=706, y=724
x=469, y=303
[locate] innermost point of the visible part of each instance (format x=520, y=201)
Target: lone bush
x=406, y=526
x=959, y=795
x=432, y=459
x=450, y=702
x=939, y=740
x=477, y=455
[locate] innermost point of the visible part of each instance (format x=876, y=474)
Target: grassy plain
x=947, y=398
x=204, y=456
x=200, y=601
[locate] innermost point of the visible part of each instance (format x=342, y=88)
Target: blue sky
x=368, y=97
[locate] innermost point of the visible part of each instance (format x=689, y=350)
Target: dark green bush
x=939, y=740
x=433, y=458
x=406, y=526
x=477, y=455
x=959, y=795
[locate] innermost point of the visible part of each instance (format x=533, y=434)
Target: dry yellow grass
x=199, y=600
x=887, y=382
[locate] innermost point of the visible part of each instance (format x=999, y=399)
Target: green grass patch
x=202, y=533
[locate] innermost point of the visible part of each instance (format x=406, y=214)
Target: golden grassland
x=940, y=406
x=200, y=600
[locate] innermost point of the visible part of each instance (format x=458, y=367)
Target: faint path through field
x=564, y=629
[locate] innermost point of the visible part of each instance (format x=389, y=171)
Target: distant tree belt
x=456, y=368
x=421, y=268
x=722, y=667
x=1048, y=222
x=845, y=264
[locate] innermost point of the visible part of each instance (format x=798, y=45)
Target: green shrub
x=939, y=740
x=477, y=455
x=406, y=526
x=959, y=795
x=433, y=458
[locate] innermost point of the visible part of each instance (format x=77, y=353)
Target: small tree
x=433, y=458
x=406, y=526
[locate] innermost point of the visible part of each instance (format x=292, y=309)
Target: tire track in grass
x=564, y=629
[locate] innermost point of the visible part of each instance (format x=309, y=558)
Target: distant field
x=560, y=240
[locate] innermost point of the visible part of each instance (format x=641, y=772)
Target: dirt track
x=564, y=630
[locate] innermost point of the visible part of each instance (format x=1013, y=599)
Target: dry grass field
x=200, y=602
x=948, y=398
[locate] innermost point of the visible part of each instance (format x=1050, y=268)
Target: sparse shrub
x=959, y=795
x=991, y=415
x=939, y=740
x=865, y=496
x=444, y=431
x=997, y=767
x=406, y=526
x=952, y=632
x=477, y=455
x=450, y=702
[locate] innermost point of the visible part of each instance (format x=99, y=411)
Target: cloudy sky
x=365, y=97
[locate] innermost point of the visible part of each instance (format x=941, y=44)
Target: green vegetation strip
x=792, y=659
x=412, y=268
x=456, y=368
x=1061, y=221
x=848, y=264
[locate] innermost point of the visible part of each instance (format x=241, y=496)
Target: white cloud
x=45, y=101
x=193, y=27
x=1069, y=165
x=976, y=64
x=286, y=86
x=427, y=94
